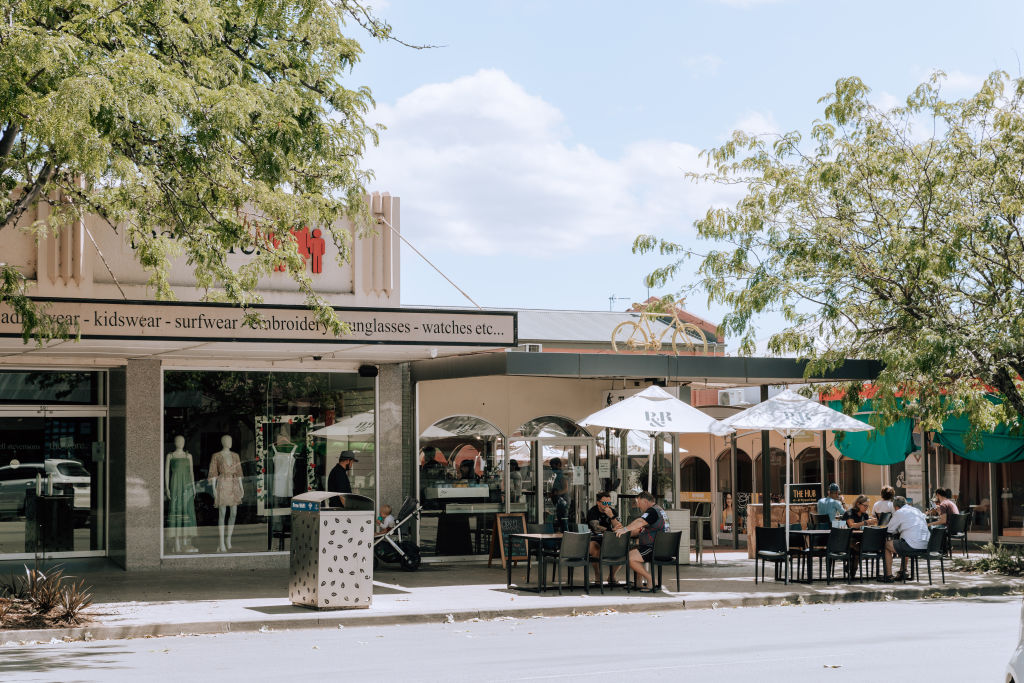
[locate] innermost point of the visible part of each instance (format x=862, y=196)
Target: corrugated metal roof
x=575, y=326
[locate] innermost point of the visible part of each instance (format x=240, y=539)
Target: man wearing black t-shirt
x=602, y=518
x=645, y=527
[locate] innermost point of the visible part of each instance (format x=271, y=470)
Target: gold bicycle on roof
x=634, y=335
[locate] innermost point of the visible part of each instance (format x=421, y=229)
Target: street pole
x=994, y=501
x=735, y=495
x=766, y=469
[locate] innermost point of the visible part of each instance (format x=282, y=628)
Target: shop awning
x=876, y=447
x=996, y=446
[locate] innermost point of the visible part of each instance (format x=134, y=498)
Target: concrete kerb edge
x=348, y=619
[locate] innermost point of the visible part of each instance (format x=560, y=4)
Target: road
x=968, y=639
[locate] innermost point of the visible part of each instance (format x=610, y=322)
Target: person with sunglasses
x=602, y=518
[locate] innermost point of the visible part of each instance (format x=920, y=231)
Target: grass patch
x=1002, y=559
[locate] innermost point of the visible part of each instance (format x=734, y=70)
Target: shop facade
x=170, y=434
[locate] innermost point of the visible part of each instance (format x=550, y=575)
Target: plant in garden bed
x=1004, y=559
x=43, y=600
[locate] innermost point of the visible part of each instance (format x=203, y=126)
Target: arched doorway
x=695, y=485
x=556, y=459
x=807, y=468
x=849, y=476
x=777, y=473
x=740, y=493
x=461, y=485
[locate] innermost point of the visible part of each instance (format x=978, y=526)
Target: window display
x=241, y=444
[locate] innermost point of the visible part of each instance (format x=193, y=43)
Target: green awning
x=996, y=446
x=876, y=447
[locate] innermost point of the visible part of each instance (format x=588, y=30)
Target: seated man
x=832, y=504
x=644, y=527
x=911, y=526
x=602, y=519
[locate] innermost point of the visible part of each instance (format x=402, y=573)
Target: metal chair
x=771, y=547
x=575, y=552
x=821, y=521
x=614, y=553
x=932, y=552
x=838, y=548
x=666, y=553
x=872, y=548
x=957, y=531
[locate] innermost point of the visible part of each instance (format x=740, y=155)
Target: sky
x=542, y=136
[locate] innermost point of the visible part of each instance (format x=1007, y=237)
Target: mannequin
x=180, y=490
x=226, y=478
x=283, y=451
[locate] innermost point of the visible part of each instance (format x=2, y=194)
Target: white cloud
x=756, y=123
x=483, y=167
x=956, y=81
x=702, y=65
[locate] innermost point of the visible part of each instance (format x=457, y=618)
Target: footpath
x=162, y=603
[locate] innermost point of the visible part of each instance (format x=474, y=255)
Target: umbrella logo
x=657, y=418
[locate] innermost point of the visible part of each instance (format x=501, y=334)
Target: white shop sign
x=220, y=322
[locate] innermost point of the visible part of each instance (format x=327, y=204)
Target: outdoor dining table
x=808, y=536
x=530, y=539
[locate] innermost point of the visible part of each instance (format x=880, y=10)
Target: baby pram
x=390, y=547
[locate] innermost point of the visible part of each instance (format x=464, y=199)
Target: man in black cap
x=337, y=481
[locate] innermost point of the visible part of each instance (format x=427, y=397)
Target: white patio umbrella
x=360, y=424
x=654, y=411
x=789, y=413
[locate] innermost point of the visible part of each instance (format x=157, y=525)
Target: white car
x=66, y=475
x=1015, y=669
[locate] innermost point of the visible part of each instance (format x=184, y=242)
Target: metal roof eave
x=727, y=369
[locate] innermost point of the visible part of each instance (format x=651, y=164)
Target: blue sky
x=544, y=136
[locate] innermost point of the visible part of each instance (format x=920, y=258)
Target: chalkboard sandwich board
x=510, y=549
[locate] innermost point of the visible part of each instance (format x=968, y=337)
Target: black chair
x=548, y=547
x=932, y=552
x=771, y=547
x=796, y=547
x=883, y=518
x=614, y=553
x=957, y=531
x=821, y=521
x=575, y=552
x=872, y=549
x=838, y=549
x=666, y=553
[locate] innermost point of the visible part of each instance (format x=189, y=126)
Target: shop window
x=239, y=445
x=462, y=485
x=849, y=476
x=71, y=387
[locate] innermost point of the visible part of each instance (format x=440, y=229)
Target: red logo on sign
x=311, y=246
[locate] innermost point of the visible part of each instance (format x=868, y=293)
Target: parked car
x=1015, y=669
x=67, y=475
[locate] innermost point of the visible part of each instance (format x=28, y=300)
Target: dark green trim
x=607, y=365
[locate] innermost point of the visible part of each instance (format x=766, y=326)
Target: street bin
x=49, y=523
x=332, y=551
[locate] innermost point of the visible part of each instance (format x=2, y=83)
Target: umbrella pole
x=789, y=449
x=650, y=465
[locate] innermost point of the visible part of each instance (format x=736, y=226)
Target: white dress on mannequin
x=284, y=461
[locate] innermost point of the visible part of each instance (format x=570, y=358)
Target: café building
x=169, y=434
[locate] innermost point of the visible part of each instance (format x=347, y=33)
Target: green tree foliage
x=893, y=234
x=193, y=127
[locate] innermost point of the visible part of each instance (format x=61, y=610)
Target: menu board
x=510, y=549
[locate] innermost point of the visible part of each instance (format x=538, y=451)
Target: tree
x=893, y=234
x=191, y=126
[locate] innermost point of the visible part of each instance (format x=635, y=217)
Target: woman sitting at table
x=945, y=508
x=857, y=516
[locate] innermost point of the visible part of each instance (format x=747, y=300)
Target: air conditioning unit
x=529, y=348
x=616, y=395
x=731, y=397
